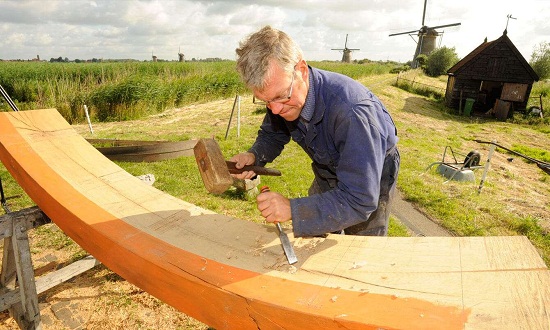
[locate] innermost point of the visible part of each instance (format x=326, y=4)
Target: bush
x=440, y=60
x=422, y=60
x=540, y=60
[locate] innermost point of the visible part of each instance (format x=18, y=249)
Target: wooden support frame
x=17, y=277
x=18, y=287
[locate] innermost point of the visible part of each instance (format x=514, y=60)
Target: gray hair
x=258, y=49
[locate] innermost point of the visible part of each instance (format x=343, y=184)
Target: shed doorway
x=489, y=92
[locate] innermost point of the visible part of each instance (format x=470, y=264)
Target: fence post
x=88, y=119
x=238, y=116
x=231, y=116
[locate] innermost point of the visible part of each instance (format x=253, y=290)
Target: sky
x=138, y=29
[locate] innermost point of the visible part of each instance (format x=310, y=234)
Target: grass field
x=130, y=90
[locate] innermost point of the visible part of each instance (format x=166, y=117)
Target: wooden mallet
x=216, y=171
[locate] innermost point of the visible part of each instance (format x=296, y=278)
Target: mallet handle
x=256, y=169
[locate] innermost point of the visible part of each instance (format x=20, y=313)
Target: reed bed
x=118, y=91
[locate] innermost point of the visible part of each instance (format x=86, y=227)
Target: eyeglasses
x=279, y=100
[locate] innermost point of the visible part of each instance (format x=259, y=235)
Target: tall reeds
x=116, y=91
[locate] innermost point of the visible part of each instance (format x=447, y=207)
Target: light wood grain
x=232, y=274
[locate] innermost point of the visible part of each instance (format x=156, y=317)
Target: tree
x=421, y=61
x=540, y=60
x=441, y=60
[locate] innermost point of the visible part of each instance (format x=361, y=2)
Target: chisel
x=285, y=242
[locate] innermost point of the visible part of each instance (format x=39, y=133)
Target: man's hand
x=274, y=206
x=241, y=160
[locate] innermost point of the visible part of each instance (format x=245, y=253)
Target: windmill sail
x=346, y=57
x=426, y=37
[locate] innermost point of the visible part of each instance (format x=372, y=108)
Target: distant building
x=495, y=76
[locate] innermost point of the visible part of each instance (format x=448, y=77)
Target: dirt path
x=417, y=222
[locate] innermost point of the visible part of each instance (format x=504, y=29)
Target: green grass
x=540, y=88
x=421, y=89
x=536, y=153
x=397, y=229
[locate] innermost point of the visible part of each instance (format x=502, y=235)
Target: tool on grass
x=486, y=169
x=285, y=242
x=459, y=171
x=216, y=171
x=545, y=166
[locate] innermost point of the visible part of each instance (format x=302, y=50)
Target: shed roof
x=485, y=48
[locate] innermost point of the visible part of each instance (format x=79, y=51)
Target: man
x=339, y=123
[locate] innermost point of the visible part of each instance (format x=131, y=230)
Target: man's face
x=281, y=86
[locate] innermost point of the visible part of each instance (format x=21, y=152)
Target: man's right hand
x=241, y=160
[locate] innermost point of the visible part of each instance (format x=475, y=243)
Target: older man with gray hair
x=343, y=127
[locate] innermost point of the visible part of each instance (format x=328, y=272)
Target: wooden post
x=238, y=116
x=486, y=169
x=541, y=109
x=460, y=103
x=231, y=116
x=88, y=119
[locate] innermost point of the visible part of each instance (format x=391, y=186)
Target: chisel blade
x=285, y=242
x=287, y=247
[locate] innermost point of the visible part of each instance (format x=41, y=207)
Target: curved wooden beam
x=143, y=151
x=232, y=274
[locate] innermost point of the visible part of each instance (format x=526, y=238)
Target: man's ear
x=303, y=69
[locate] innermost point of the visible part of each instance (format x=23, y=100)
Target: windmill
x=181, y=56
x=346, y=57
x=426, y=37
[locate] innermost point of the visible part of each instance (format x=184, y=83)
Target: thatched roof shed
x=494, y=76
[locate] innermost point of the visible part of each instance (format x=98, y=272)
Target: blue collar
x=309, y=107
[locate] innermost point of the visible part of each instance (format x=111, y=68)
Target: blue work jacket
x=347, y=139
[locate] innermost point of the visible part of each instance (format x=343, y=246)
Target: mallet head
x=212, y=166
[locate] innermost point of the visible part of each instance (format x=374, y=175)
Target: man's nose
x=276, y=108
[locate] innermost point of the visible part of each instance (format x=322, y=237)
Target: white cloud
x=137, y=28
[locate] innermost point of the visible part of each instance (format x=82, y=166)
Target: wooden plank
x=64, y=274
x=514, y=92
x=231, y=273
x=50, y=280
x=501, y=109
